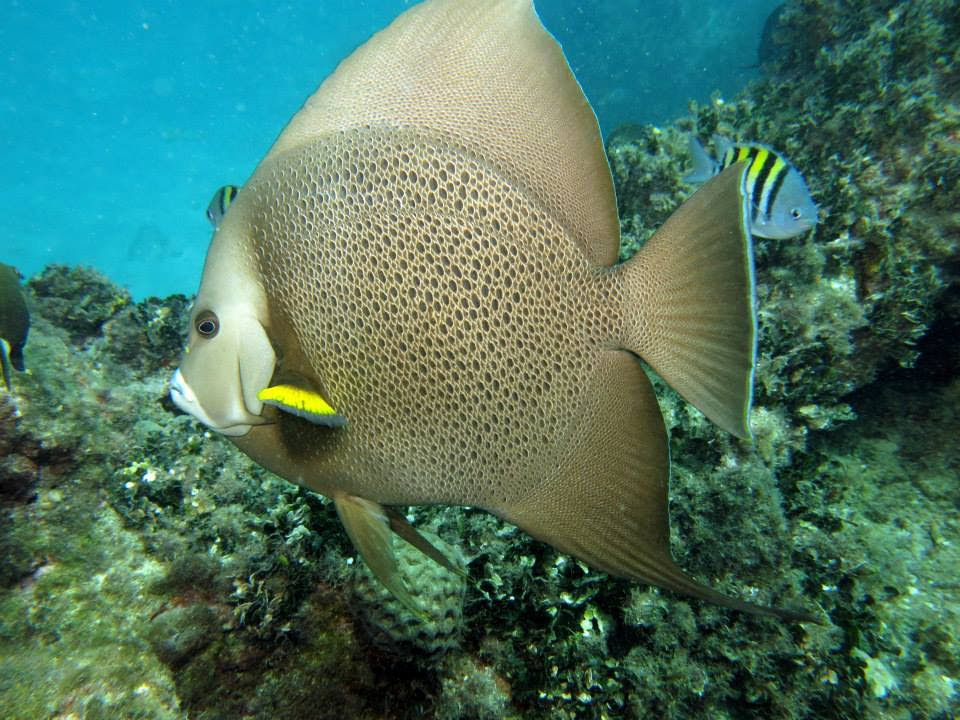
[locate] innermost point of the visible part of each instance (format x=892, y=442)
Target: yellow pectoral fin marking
x=303, y=403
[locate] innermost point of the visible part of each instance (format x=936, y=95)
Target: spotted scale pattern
x=450, y=319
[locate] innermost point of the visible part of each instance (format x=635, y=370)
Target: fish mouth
x=184, y=398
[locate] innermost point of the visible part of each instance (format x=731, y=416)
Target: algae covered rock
x=179, y=633
x=147, y=335
x=437, y=593
x=141, y=336
x=79, y=300
x=19, y=453
x=850, y=488
x=472, y=690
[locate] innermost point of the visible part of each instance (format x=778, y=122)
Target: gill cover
x=229, y=357
x=219, y=378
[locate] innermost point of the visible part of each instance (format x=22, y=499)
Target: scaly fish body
x=473, y=372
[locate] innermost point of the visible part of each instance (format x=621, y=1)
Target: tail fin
x=704, y=166
x=690, y=294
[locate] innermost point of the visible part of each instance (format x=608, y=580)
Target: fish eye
x=207, y=324
x=795, y=213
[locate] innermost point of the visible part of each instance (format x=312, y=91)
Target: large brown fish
x=414, y=301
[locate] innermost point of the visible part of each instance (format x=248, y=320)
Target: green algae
x=864, y=101
x=77, y=300
x=69, y=632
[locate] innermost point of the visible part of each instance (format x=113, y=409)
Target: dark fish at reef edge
x=14, y=322
x=770, y=47
x=414, y=301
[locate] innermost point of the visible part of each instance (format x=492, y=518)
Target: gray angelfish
x=414, y=300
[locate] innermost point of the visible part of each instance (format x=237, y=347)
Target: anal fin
x=608, y=503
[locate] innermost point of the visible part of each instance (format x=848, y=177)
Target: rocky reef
x=149, y=570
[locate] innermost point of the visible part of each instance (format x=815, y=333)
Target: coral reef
x=78, y=300
x=131, y=538
x=864, y=100
x=19, y=453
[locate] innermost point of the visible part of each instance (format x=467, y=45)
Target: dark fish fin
x=5, y=362
x=608, y=504
x=368, y=526
x=399, y=524
x=16, y=357
x=692, y=315
x=296, y=395
x=721, y=144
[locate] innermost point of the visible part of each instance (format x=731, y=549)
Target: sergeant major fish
x=415, y=300
x=220, y=203
x=780, y=203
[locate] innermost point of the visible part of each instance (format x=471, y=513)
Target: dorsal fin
x=484, y=76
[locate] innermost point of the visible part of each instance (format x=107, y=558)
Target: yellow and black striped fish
x=780, y=203
x=220, y=203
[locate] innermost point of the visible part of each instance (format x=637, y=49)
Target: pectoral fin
x=368, y=526
x=296, y=396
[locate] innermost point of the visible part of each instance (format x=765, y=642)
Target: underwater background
x=138, y=112
x=149, y=570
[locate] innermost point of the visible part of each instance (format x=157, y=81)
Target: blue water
x=120, y=119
